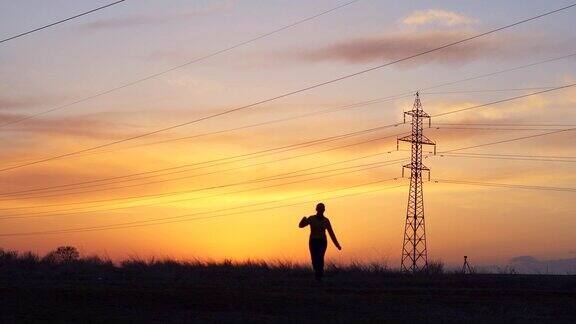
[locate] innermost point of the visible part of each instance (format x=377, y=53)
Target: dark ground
x=167, y=291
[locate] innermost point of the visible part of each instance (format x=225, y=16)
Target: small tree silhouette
x=435, y=267
x=63, y=254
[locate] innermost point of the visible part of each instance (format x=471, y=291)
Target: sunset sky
x=115, y=46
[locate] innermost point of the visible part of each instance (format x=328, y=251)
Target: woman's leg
x=317, y=251
x=314, y=255
x=322, y=244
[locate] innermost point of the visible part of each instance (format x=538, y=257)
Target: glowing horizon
x=80, y=58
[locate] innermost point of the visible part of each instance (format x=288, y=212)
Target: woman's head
x=320, y=208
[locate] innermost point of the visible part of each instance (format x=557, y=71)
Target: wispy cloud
x=437, y=17
x=9, y=103
x=202, y=8
x=77, y=126
x=398, y=45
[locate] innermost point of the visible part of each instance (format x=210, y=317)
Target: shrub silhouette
x=435, y=267
x=8, y=256
x=63, y=254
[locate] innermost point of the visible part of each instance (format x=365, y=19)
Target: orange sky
x=491, y=225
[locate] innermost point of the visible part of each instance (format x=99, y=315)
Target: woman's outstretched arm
x=333, y=236
x=304, y=222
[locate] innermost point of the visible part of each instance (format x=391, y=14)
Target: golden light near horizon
x=235, y=186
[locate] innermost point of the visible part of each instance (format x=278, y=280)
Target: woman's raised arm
x=304, y=222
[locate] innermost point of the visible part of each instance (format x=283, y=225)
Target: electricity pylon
x=414, y=253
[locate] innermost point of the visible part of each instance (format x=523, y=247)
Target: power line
x=457, y=149
x=516, y=68
x=274, y=121
x=336, y=109
x=508, y=140
x=193, y=61
x=518, y=155
x=486, y=90
x=385, y=126
x=505, y=124
x=247, y=154
x=507, y=158
x=391, y=125
x=187, y=217
x=226, y=160
x=166, y=220
x=462, y=148
x=506, y=100
x=192, y=176
x=201, y=174
x=290, y=93
x=356, y=105
x=180, y=192
x=362, y=131
x=82, y=210
x=547, y=60
x=59, y=22
x=493, y=128
x=219, y=171
x=315, y=113
x=506, y=185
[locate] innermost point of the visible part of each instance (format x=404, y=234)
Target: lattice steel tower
x=414, y=253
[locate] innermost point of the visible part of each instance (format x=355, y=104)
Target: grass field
x=73, y=289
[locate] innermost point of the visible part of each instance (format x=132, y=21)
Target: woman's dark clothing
x=317, y=250
x=319, y=224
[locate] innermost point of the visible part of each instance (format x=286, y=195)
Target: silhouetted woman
x=319, y=224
